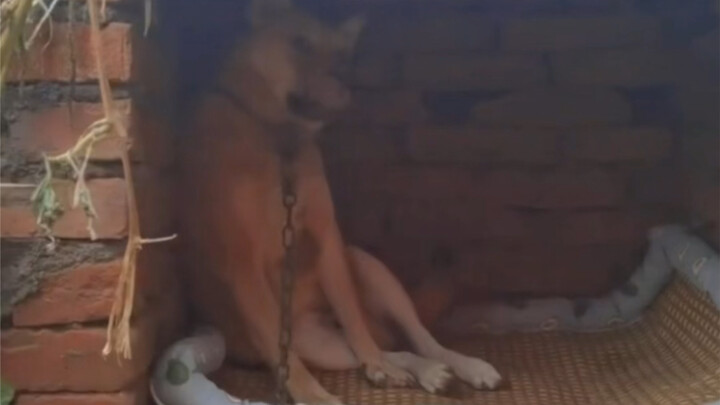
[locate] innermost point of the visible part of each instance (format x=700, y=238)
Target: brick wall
x=56, y=305
x=508, y=146
x=526, y=147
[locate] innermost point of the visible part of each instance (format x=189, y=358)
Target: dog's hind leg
x=337, y=284
x=386, y=297
x=261, y=312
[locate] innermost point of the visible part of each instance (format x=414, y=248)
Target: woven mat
x=672, y=357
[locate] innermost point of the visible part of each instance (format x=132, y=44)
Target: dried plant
x=46, y=205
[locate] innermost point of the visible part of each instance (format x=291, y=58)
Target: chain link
x=289, y=200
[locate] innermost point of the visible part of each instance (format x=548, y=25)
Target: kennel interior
x=507, y=150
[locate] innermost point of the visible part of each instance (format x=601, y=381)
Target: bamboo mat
x=671, y=357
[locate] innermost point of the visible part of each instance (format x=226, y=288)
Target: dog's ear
x=261, y=12
x=351, y=29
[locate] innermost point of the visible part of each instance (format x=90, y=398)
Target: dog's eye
x=301, y=44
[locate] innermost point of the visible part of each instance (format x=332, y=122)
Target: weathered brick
x=85, y=293
x=441, y=71
x=552, y=190
x=443, y=218
x=53, y=130
x=130, y=397
x=620, y=145
x=657, y=185
x=47, y=361
x=550, y=270
x=705, y=46
x=365, y=223
x=704, y=201
x=109, y=200
x=375, y=70
x=698, y=92
x=52, y=62
x=616, y=67
x=482, y=145
x=549, y=107
x=71, y=360
x=79, y=294
x=413, y=260
x=562, y=33
x=446, y=32
x=700, y=150
x=597, y=227
x=353, y=143
x=384, y=108
x=512, y=187
x=417, y=182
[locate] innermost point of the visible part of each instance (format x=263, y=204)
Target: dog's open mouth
x=309, y=109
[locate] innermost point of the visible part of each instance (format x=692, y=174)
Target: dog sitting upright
x=279, y=81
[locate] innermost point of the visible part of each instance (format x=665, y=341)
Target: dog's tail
x=671, y=247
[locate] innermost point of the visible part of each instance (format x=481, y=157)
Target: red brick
x=519, y=188
x=360, y=144
x=482, y=145
x=561, y=33
x=18, y=220
x=414, y=182
x=85, y=293
x=47, y=361
x=375, y=70
x=80, y=294
x=700, y=150
x=596, y=5
x=470, y=221
x=553, y=190
x=547, y=270
x=133, y=397
x=444, y=32
x=620, y=145
x=597, y=227
x=415, y=261
x=445, y=219
x=551, y=107
x=697, y=84
x=616, y=67
x=52, y=62
x=705, y=46
x=441, y=71
x=384, y=108
x=52, y=130
x=658, y=185
x=705, y=202
x=71, y=360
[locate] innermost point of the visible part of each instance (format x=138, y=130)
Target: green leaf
x=7, y=393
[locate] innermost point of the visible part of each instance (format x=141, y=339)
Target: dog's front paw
x=433, y=376
x=478, y=373
x=383, y=374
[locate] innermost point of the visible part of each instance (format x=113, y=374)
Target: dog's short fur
x=234, y=216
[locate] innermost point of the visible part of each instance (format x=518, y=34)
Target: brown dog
x=235, y=215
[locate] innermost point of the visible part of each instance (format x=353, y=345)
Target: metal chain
x=289, y=199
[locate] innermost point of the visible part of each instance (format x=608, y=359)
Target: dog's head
x=300, y=59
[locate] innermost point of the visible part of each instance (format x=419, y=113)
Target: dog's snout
x=342, y=71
